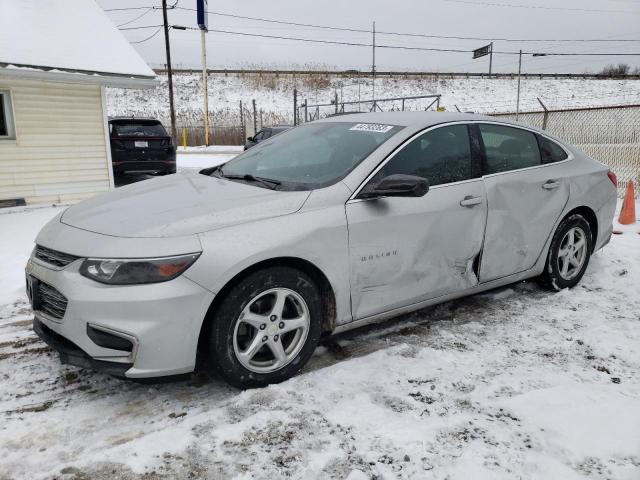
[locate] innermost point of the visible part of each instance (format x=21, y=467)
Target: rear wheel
x=569, y=254
x=266, y=328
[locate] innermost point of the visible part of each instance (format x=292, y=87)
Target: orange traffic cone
x=628, y=212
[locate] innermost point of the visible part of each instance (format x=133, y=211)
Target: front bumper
x=71, y=354
x=162, y=321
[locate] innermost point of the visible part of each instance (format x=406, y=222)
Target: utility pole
x=490, y=57
x=205, y=107
x=373, y=68
x=519, y=71
x=172, y=112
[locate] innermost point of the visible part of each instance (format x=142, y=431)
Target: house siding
x=60, y=153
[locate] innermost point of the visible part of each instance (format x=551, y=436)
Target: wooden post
x=205, y=106
x=172, y=112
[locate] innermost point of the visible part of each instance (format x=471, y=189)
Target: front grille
x=51, y=301
x=53, y=257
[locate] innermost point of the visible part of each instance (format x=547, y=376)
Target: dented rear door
x=525, y=199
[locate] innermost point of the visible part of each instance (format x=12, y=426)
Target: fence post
x=242, y=131
x=306, y=112
x=335, y=100
x=255, y=119
x=545, y=116
x=295, y=107
x=261, y=124
x=184, y=137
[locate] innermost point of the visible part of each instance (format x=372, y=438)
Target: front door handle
x=550, y=184
x=470, y=201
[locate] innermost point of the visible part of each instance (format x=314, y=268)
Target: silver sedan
x=331, y=225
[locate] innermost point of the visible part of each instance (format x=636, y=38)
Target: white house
x=56, y=58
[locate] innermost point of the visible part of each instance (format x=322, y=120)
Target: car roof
x=415, y=119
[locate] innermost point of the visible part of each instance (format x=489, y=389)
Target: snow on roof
x=69, y=35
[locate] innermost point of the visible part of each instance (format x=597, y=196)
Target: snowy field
x=517, y=383
x=275, y=95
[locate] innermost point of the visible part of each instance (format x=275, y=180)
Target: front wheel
x=569, y=254
x=266, y=328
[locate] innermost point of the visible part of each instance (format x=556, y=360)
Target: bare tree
x=616, y=70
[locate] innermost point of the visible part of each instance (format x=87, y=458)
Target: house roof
x=66, y=37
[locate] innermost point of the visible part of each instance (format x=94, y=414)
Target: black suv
x=141, y=145
x=264, y=134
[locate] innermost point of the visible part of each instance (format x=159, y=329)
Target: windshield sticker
x=372, y=127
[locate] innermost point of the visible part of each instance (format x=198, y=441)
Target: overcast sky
x=493, y=19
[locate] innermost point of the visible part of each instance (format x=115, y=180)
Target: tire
x=568, y=259
x=245, y=318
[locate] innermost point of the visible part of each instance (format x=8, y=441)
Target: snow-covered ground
x=515, y=383
x=274, y=95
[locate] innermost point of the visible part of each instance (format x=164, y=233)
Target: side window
x=259, y=135
x=441, y=156
x=6, y=120
x=550, y=151
x=267, y=133
x=508, y=148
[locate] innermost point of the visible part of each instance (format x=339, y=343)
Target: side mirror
x=397, y=186
x=250, y=139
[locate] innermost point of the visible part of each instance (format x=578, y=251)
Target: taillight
x=613, y=178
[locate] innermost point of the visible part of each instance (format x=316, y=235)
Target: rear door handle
x=550, y=184
x=470, y=201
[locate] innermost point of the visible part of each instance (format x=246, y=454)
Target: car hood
x=181, y=204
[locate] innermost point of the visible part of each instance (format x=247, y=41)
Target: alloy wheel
x=572, y=253
x=271, y=330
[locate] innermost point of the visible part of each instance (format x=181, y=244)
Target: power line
x=136, y=18
x=360, y=30
x=150, y=36
x=540, y=7
x=128, y=8
x=140, y=27
x=406, y=47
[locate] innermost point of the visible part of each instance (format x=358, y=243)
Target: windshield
x=139, y=130
x=312, y=155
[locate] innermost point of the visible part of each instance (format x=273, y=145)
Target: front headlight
x=136, y=271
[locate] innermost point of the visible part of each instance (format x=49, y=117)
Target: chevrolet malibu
x=242, y=268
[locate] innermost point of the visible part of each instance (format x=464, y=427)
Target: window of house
x=508, y=148
x=6, y=116
x=441, y=156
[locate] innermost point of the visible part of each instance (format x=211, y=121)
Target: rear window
x=550, y=151
x=138, y=130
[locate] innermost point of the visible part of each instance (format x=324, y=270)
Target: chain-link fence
x=611, y=135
